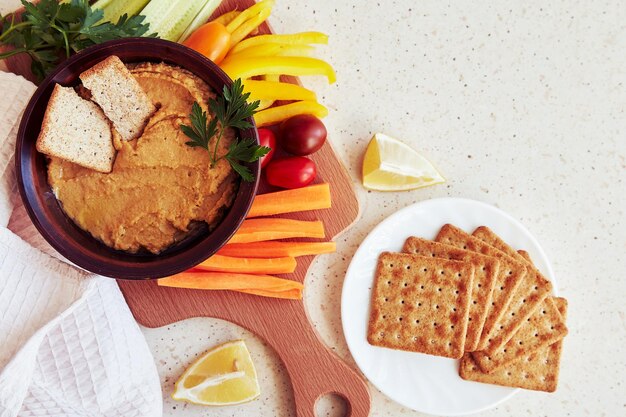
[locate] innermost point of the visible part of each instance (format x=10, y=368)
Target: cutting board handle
x=315, y=370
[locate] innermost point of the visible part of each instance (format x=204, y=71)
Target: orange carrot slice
x=314, y=197
x=220, y=263
x=257, y=230
x=277, y=249
x=263, y=285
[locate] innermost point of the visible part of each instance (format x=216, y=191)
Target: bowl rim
x=152, y=266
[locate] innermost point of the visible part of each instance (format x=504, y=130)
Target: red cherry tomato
x=292, y=172
x=267, y=138
x=302, y=134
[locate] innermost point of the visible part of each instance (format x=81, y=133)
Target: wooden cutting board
x=313, y=368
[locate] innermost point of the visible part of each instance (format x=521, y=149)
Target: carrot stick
x=293, y=294
x=264, y=285
x=313, y=197
x=220, y=263
x=276, y=249
x=256, y=230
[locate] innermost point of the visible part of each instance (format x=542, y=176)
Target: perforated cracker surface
x=510, y=275
x=485, y=272
x=420, y=304
x=543, y=328
x=537, y=371
x=490, y=237
x=528, y=296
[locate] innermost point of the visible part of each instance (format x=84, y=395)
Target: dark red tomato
x=292, y=172
x=302, y=134
x=267, y=138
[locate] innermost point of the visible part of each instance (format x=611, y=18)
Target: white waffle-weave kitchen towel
x=69, y=345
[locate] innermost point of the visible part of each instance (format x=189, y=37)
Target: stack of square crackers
x=474, y=298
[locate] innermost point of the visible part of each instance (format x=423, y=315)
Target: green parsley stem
x=12, y=52
x=12, y=28
x=215, y=159
x=67, y=44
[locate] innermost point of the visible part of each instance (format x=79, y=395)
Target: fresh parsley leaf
x=50, y=31
x=91, y=16
x=69, y=14
x=124, y=28
x=239, y=108
x=229, y=110
x=196, y=140
x=243, y=171
x=200, y=132
x=246, y=150
x=198, y=119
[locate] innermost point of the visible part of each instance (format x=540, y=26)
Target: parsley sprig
x=230, y=110
x=50, y=31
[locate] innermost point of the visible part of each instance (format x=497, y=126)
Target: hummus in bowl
x=161, y=209
x=159, y=187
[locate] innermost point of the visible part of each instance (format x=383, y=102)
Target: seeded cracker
x=84, y=139
x=537, y=371
x=510, y=275
x=485, y=272
x=119, y=95
x=528, y=297
x=420, y=304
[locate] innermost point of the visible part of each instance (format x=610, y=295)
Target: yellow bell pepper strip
x=272, y=90
x=263, y=104
x=249, y=13
x=273, y=49
x=287, y=65
x=227, y=17
x=249, y=26
x=302, y=38
x=277, y=114
x=271, y=77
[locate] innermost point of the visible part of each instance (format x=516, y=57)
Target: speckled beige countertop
x=521, y=105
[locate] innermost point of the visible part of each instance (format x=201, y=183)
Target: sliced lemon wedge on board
x=390, y=165
x=224, y=375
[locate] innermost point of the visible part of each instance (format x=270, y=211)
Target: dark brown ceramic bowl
x=45, y=210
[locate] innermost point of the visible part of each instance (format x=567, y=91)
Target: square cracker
x=527, y=258
x=510, y=275
x=420, y=304
x=528, y=297
x=120, y=96
x=485, y=272
x=543, y=328
x=537, y=371
x=76, y=130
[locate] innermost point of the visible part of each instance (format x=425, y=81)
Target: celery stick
x=170, y=18
x=201, y=18
x=114, y=9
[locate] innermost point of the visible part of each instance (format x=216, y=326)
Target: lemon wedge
x=390, y=165
x=224, y=375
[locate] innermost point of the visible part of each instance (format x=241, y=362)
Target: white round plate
x=425, y=383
